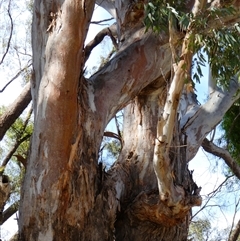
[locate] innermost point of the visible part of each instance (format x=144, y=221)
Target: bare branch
x=20, y=139
x=101, y=21
x=15, y=110
x=26, y=54
x=10, y=35
x=113, y=135
x=9, y=212
x=110, y=31
x=210, y=196
x=16, y=76
x=222, y=153
x=12, y=151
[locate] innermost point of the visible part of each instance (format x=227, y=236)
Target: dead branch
x=110, y=31
x=210, y=147
x=10, y=35
x=15, y=110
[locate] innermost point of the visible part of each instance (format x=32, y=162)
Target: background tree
x=148, y=193
x=15, y=62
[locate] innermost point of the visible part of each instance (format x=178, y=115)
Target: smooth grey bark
x=201, y=121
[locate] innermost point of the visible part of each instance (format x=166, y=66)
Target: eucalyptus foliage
x=220, y=43
x=230, y=125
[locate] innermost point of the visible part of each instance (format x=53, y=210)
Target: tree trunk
x=142, y=215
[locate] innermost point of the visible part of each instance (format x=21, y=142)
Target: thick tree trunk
x=58, y=185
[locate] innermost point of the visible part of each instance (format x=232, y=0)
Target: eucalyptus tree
x=148, y=193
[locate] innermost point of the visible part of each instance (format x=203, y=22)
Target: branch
x=112, y=135
x=110, y=31
x=10, y=81
x=210, y=147
x=10, y=35
x=235, y=233
x=9, y=212
x=213, y=111
x=210, y=196
x=18, y=142
x=13, y=150
x=101, y=21
x=15, y=110
x=124, y=77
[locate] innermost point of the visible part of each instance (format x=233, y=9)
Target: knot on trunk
x=149, y=207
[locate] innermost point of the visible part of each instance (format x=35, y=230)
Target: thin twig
x=10, y=35
x=19, y=140
x=15, y=77
x=101, y=21
x=210, y=196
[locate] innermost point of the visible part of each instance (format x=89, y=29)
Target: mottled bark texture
x=66, y=195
